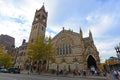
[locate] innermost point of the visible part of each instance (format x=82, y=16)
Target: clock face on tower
x=43, y=20
x=36, y=19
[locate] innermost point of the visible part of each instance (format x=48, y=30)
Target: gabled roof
x=72, y=33
x=67, y=31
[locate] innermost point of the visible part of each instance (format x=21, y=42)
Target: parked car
x=13, y=70
x=4, y=70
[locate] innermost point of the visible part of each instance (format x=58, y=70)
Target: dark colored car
x=13, y=70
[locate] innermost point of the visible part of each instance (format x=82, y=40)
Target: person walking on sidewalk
x=84, y=72
x=30, y=71
x=108, y=75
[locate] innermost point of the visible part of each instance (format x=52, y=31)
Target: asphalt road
x=7, y=76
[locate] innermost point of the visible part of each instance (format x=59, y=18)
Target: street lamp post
x=117, y=48
x=30, y=65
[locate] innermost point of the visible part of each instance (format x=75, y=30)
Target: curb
x=69, y=76
x=87, y=77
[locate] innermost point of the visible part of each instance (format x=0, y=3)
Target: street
x=7, y=76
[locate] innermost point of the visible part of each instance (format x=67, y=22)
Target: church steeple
x=42, y=8
x=40, y=14
x=39, y=24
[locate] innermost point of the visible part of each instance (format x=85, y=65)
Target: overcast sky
x=102, y=17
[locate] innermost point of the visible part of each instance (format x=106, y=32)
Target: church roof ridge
x=71, y=32
x=68, y=31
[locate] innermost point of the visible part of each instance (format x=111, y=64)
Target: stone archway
x=91, y=62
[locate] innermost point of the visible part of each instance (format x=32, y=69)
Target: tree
x=2, y=50
x=36, y=49
x=5, y=59
x=41, y=50
x=50, y=52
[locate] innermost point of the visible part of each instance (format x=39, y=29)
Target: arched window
x=58, y=51
x=69, y=49
x=42, y=28
x=63, y=50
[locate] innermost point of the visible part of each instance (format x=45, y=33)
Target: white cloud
x=99, y=23
x=72, y=23
x=16, y=30
x=106, y=47
x=24, y=11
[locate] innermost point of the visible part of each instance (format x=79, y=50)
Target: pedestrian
x=114, y=74
x=74, y=72
x=84, y=72
x=57, y=72
x=108, y=75
x=119, y=74
x=92, y=70
x=79, y=73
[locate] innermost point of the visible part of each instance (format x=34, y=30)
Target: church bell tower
x=39, y=24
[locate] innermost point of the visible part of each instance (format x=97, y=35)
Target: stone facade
x=21, y=56
x=74, y=52
x=39, y=24
x=38, y=28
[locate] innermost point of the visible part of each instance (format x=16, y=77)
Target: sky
x=102, y=17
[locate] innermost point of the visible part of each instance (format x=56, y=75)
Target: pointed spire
x=63, y=28
x=50, y=37
x=80, y=30
x=81, y=34
x=24, y=41
x=43, y=6
x=90, y=35
x=81, y=38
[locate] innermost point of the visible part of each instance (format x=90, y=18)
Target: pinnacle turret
x=90, y=35
x=81, y=34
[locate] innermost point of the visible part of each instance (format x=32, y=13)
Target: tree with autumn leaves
x=5, y=59
x=41, y=51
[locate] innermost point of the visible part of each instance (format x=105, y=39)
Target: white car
x=4, y=70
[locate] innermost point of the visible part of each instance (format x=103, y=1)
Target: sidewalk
x=69, y=75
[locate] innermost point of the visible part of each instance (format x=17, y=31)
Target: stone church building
x=72, y=50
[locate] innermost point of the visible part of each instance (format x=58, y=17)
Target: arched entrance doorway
x=91, y=62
